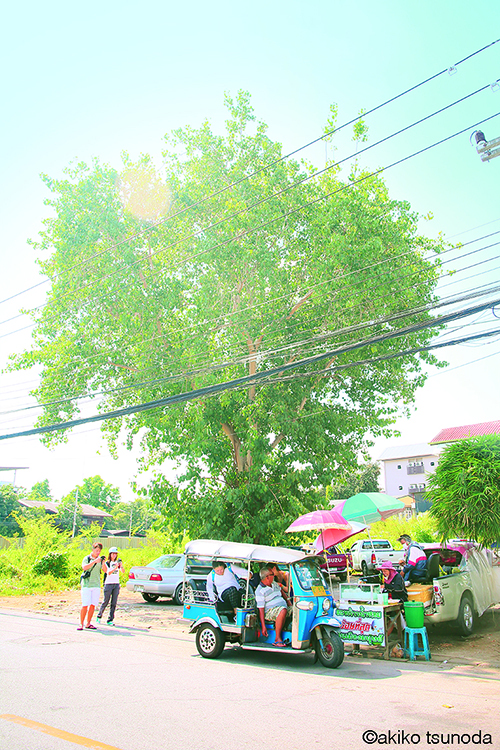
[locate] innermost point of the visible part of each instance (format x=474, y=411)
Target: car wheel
x=209, y=641
x=330, y=651
x=364, y=568
x=465, y=619
x=178, y=595
x=150, y=597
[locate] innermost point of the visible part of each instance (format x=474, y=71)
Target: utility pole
x=74, y=513
x=130, y=524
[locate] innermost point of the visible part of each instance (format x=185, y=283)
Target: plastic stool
x=412, y=647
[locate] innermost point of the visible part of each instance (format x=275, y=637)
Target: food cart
x=368, y=617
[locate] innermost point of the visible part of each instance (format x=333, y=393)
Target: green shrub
x=53, y=563
x=7, y=569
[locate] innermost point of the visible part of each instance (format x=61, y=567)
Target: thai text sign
x=361, y=623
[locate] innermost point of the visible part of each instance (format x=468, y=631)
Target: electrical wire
x=302, y=292
x=268, y=166
x=309, y=203
x=239, y=213
x=247, y=380
x=243, y=356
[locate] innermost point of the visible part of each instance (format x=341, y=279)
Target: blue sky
x=95, y=79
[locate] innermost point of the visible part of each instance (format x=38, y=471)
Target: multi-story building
x=406, y=469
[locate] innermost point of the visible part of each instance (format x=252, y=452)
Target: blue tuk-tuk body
x=313, y=624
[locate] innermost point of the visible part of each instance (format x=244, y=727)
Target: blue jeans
x=111, y=591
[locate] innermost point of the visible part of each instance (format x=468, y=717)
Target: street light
x=487, y=150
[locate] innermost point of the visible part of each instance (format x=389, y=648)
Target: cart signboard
x=361, y=624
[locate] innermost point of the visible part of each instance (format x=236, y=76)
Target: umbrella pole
x=327, y=566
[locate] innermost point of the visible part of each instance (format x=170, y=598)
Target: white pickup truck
x=464, y=585
x=367, y=554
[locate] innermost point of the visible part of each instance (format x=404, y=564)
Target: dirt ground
x=483, y=647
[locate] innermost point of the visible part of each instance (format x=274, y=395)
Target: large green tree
x=94, y=491
x=137, y=516
x=362, y=479
x=41, y=491
x=465, y=490
x=10, y=509
x=169, y=280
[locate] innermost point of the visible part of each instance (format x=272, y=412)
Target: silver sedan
x=164, y=577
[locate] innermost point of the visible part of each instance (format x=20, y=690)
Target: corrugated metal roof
x=452, y=434
x=48, y=507
x=87, y=510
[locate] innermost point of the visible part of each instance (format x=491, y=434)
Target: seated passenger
x=281, y=577
x=273, y=605
x=255, y=580
x=393, y=583
x=223, y=585
x=414, y=562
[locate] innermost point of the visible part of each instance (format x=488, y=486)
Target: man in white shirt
x=222, y=584
x=273, y=605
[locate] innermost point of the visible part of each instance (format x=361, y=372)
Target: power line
x=243, y=358
x=312, y=202
x=266, y=374
x=302, y=292
x=195, y=234
x=262, y=169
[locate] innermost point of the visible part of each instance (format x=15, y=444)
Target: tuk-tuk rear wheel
x=209, y=641
x=331, y=650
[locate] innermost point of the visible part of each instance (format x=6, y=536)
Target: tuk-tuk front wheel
x=209, y=641
x=330, y=651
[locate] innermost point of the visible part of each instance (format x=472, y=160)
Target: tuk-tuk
x=313, y=625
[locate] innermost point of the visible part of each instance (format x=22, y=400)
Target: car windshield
x=308, y=574
x=167, y=561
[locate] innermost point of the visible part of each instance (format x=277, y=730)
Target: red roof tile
x=451, y=434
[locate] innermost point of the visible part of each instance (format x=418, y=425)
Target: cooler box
x=419, y=592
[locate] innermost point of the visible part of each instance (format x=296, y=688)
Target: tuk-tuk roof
x=242, y=551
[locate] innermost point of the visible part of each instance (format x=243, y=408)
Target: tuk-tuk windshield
x=309, y=574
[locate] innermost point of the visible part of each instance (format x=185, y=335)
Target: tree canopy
x=465, y=490
x=363, y=479
x=41, y=491
x=228, y=261
x=9, y=509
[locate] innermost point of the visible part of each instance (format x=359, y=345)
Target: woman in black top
x=393, y=583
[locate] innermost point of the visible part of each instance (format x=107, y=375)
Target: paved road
x=131, y=689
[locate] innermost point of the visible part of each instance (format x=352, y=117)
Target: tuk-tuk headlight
x=304, y=604
x=326, y=605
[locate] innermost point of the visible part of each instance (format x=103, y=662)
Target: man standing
x=91, y=585
x=273, y=605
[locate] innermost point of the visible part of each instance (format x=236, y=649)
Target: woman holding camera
x=111, y=568
x=91, y=585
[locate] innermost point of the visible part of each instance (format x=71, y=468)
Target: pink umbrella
x=330, y=537
x=320, y=519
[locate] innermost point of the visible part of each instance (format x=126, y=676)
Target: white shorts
x=90, y=595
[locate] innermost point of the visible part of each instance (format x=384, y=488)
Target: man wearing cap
x=414, y=561
x=111, y=568
x=393, y=583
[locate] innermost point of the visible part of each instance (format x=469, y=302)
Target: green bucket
x=414, y=614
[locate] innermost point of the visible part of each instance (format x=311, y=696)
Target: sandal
x=79, y=628
x=279, y=644
x=91, y=627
